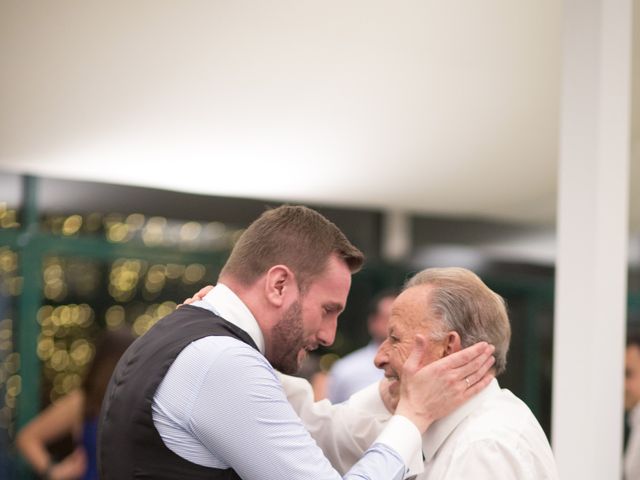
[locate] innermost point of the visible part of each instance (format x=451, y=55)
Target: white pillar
x=396, y=236
x=591, y=267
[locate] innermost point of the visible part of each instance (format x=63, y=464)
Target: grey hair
x=461, y=302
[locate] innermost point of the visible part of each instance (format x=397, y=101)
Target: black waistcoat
x=129, y=446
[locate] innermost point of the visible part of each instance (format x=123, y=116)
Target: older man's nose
x=381, y=357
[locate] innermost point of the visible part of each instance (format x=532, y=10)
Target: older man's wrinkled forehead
x=412, y=308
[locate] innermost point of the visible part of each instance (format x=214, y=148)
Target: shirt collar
x=226, y=304
x=439, y=430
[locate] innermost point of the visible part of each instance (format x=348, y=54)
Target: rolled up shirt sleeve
x=346, y=430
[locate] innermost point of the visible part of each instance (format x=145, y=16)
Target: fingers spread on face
x=463, y=357
x=476, y=363
x=483, y=375
x=417, y=355
x=478, y=386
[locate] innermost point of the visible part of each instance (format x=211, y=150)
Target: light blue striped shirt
x=222, y=405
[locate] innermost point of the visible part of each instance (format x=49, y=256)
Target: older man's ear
x=452, y=343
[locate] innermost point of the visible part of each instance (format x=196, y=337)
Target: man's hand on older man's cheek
x=433, y=391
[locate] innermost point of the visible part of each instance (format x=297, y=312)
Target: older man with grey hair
x=492, y=436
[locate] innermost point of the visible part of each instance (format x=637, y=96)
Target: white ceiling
x=444, y=107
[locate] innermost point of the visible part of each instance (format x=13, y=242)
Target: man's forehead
x=401, y=322
x=417, y=294
x=334, y=281
x=411, y=305
x=402, y=303
x=396, y=320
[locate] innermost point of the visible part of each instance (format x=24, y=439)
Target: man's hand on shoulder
x=198, y=296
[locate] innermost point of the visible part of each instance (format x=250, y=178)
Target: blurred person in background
x=311, y=370
x=357, y=370
x=632, y=406
x=75, y=414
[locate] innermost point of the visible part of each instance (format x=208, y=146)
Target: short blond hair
x=462, y=302
x=295, y=236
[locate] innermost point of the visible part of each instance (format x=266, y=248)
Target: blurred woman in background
x=75, y=414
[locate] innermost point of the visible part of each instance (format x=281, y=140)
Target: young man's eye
x=332, y=310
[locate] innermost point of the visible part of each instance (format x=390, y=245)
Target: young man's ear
x=280, y=282
x=452, y=343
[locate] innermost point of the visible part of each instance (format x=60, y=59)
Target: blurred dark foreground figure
x=75, y=414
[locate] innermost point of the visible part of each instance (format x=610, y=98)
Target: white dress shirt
x=632, y=453
x=221, y=405
x=493, y=436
